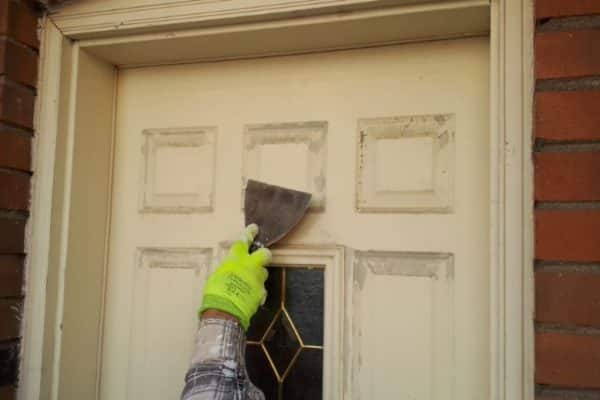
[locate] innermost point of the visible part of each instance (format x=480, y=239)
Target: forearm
x=231, y=296
x=217, y=369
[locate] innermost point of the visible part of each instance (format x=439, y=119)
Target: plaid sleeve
x=218, y=370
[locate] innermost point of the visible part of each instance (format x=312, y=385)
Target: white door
x=393, y=144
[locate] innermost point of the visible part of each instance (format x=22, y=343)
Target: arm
x=217, y=370
x=231, y=296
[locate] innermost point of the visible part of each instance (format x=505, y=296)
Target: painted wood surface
x=261, y=110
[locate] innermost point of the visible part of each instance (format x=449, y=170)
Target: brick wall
x=567, y=194
x=18, y=75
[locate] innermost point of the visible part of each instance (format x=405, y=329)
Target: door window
x=284, y=354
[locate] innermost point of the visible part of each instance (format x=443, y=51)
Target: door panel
x=393, y=144
x=165, y=279
x=402, y=317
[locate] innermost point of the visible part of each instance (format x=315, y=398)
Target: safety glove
x=237, y=286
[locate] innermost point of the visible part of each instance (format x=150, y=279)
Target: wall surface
x=567, y=191
x=567, y=194
x=18, y=77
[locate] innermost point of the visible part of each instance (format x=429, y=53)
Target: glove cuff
x=222, y=304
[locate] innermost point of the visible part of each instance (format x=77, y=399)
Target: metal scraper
x=275, y=209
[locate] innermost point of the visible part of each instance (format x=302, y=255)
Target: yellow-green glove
x=237, y=286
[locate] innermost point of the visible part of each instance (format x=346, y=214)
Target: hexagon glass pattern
x=284, y=351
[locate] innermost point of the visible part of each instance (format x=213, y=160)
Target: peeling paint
x=441, y=118
x=360, y=274
x=311, y=134
x=362, y=150
x=443, y=138
x=319, y=182
x=373, y=196
x=174, y=258
x=152, y=201
x=429, y=265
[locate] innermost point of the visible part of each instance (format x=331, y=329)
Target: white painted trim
x=65, y=221
x=400, y=24
x=38, y=227
x=511, y=217
x=109, y=199
x=511, y=234
x=527, y=199
x=109, y=18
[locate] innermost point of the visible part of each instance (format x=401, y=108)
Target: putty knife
x=275, y=209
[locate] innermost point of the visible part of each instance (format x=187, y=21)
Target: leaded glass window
x=284, y=354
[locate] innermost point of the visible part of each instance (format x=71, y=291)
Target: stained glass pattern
x=284, y=355
x=267, y=312
x=304, y=302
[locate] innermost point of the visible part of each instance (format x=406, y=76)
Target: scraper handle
x=253, y=247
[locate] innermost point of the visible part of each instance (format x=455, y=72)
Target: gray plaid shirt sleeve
x=218, y=369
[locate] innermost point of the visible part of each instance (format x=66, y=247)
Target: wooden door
x=392, y=142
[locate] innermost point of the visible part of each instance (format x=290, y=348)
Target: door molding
x=101, y=18
x=87, y=31
x=511, y=92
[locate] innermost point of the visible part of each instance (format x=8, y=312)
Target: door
x=392, y=142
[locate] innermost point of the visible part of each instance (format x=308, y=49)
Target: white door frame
x=134, y=32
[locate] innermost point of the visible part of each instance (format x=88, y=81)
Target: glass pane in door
x=284, y=354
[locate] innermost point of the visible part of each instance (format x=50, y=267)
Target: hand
x=237, y=287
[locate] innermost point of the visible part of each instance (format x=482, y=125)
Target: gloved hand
x=237, y=285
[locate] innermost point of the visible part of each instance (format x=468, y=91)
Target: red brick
x=10, y=313
x=567, y=360
x=15, y=150
x=567, y=54
x=565, y=8
x=12, y=235
x=14, y=190
x=550, y=393
x=568, y=298
x=19, y=21
x=11, y=275
x=567, y=116
x=18, y=63
x=567, y=235
x=569, y=394
x=567, y=176
x=8, y=393
x=16, y=104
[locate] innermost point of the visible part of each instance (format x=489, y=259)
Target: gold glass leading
x=280, y=365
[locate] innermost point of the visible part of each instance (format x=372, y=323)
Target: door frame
x=68, y=39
